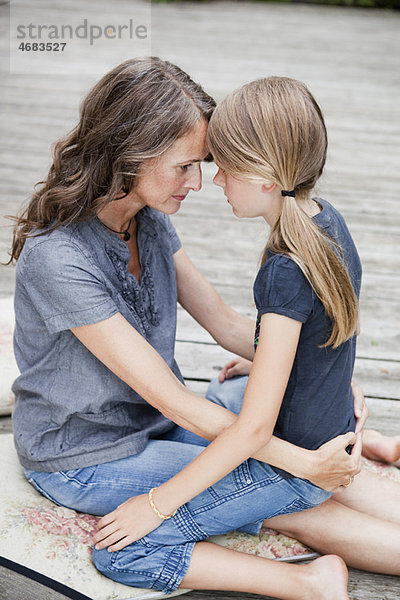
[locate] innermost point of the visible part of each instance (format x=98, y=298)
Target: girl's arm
x=251, y=430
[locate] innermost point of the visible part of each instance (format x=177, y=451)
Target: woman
x=100, y=269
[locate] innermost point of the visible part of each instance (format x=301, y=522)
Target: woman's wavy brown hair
x=134, y=113
x=272, y=130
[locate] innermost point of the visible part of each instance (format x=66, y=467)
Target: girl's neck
x=310, y=206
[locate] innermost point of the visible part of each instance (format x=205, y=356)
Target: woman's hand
x=335, y=468
x=129, y=522
x=361, y=411
x=237, y=366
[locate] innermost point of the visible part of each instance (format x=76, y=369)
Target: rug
x=52, y=544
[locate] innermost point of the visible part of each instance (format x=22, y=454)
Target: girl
x=269, y=140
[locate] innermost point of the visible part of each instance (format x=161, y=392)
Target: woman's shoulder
x=53, y=247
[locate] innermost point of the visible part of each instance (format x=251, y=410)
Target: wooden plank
x=5, y=425
x=362, y=586
x=244, y=241
x=380, y=324
x=384, y=416
x=14, y=586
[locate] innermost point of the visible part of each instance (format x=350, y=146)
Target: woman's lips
x=179, y=198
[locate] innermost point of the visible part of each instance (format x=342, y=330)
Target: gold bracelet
x=153, y=506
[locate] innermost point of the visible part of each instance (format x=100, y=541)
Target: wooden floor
x=350, y=60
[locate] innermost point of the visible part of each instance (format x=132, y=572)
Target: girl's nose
x=219, y=178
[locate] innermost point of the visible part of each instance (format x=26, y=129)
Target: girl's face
x=164, y=182
x=250, y=199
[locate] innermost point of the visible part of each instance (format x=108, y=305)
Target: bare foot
x=328, y=579
x=381, y=447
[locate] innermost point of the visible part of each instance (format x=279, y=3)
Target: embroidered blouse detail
x=138, y=296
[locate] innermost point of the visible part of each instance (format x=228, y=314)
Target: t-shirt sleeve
x=282, y=288
x=64, y=286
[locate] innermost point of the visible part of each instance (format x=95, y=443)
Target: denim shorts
x=254, y=491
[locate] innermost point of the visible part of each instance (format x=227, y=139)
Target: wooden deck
x=350, y=59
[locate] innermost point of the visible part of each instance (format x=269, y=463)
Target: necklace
x=125, y=232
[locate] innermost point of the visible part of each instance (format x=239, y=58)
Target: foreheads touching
x=137, y=112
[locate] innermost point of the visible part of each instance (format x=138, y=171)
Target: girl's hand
x=237, y=366
x=129, y=522
x=361, y=411
x=335, y=467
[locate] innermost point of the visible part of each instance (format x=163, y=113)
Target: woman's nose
x=194, y=182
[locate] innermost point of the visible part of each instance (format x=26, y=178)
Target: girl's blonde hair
x=272, y=130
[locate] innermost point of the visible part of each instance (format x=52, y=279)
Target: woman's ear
x=268, y=187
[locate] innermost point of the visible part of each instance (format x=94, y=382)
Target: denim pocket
x=239, y=479
x=80, y=476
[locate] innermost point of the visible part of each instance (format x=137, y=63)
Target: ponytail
x=272, y=130
x=321, y=260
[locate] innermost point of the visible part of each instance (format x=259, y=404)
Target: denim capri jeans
x=240, y=501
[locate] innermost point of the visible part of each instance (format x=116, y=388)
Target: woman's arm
x=127, y=354
x=232, y=331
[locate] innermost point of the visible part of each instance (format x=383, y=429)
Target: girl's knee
x=228, y=394
x=214, y=390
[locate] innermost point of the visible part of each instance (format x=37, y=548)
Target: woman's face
x=164, y=182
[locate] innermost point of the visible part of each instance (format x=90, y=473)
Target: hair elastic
x=288, y=193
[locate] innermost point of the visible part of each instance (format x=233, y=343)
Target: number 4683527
x=42, y=46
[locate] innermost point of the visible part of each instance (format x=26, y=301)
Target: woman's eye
x=185, y=167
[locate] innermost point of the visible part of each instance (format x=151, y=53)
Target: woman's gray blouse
x=71, y=411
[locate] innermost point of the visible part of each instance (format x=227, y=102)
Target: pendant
x=127, y=236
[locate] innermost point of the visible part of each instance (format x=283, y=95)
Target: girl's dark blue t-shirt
x=318, y=402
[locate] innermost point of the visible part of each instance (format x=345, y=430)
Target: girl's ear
x=268, y=187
